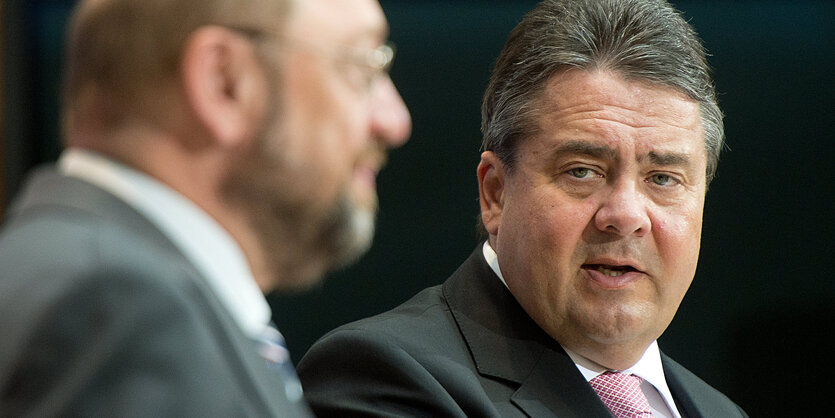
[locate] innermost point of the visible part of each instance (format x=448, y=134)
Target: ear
x=225, y=86
x=491, y=178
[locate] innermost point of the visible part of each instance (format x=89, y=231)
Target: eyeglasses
x=367, y=65
x=371, y=63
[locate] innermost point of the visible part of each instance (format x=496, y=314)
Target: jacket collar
x=507, y=344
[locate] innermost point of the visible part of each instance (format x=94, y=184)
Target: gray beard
x=349, y=235
x=300, y=248
x=306, y=249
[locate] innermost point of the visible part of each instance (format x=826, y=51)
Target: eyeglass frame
x=379, y=60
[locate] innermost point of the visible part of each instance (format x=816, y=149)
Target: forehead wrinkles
x=577, y=95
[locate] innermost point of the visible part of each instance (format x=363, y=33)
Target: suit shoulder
x=118, y=334
x=426, y=313
x=413, y=356
x=419, y=334
x=695, y=393
x=51, y=261
x=109, y=304
x=61, y=247
x=422, y=329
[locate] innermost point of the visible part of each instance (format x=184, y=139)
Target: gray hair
x=642, y=40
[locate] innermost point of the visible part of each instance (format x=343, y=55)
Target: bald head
x=123, y=54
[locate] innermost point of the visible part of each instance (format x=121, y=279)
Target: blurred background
x=758, y=319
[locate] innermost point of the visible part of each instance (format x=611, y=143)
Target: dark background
x=758, y=319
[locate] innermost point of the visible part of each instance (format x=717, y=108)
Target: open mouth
x=611, y=271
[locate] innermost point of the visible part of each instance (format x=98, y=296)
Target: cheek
x=546, y=236
x=325, y=107
x=563, y=217
x=328, y=131
x=341, y=136
x=678, y=236
x=555, y=228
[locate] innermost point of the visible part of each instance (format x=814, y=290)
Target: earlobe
x=218, y=70
x=491, y=177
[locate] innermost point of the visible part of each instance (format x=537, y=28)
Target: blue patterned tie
x=274, y=351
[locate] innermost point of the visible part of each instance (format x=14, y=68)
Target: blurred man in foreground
x=216, y=150
x=601, y=134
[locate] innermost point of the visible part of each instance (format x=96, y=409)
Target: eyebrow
x=597, y=151
x=668, y=158
x=585, y=148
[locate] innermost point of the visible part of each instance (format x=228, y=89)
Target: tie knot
x=621, y=393
x=273, y=348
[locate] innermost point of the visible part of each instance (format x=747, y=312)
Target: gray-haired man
x=601, y=134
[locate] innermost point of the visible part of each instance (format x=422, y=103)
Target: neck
x=612, y=356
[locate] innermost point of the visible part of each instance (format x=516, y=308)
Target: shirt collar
x=202, y=240
x=492, y=260
x=649, y=367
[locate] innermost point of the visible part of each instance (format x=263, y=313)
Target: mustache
x=374, y=155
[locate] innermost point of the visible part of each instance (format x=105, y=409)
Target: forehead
x=603, y=106
x=344, y=21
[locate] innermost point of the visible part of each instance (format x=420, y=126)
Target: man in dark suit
x=216, y=150
x=601, y=134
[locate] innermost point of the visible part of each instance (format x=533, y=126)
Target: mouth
x=610, y=270
x=369, y=166
x=367, y=174
x=612, y=276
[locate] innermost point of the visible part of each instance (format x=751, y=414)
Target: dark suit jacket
x=465, y=349
x=101, y=315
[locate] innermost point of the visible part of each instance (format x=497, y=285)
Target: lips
x=368, y=175
x=609, y=270
x=613, y=274
x=369, y=165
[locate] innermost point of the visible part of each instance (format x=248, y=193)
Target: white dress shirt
x=202, y=240
x=648, y=368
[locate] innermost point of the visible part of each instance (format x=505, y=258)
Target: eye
x=663, y=180
x=581, y=172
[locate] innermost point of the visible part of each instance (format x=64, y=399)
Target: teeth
x=610, y=273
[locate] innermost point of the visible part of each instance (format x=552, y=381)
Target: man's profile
x=215, y=150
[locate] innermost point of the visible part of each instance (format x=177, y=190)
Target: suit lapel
x=507, y=344
x=694, y=397
x=683, y=400
x=556, y=388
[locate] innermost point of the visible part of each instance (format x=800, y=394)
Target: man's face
x=320, y=153
x=598, y=225
x=338, y=116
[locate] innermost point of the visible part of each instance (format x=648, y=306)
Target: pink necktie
x=622, y=394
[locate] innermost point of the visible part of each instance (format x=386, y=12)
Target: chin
x=348, y=231
x=619, y=323
x=356, y=237
x=343, y=237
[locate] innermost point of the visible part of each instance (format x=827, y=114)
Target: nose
x=624, y=212
x=391, y=123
